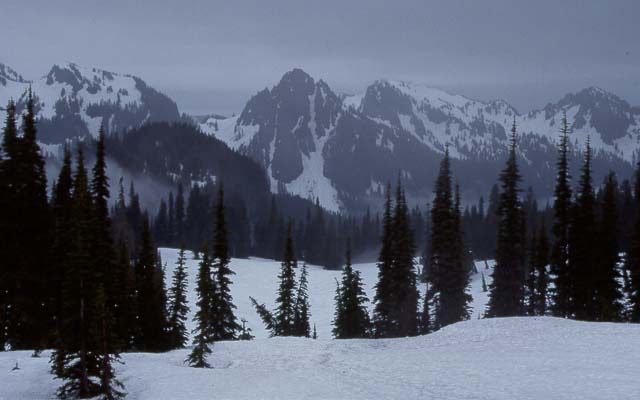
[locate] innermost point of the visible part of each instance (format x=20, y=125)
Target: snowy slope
x=79, y=99
x=513, y=358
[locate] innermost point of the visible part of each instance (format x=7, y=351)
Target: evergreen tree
x=384, y=297
x=506, y=297
x=110, y=387
x=285, y=302
x=27, y=220
x=126, y=300
x=225, y=323
x=561, y=222
x=302, y=314
x=203, y=332
x=583, y=249
x=632, y=260
x=541, y=260
x=446, y=271
x=178, y=308
x=606, y=288
x=351, y=318
x=396, y=311
x=77, y=360
x=281, y=322
x=152, y=318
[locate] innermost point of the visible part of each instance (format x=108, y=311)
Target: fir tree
x=541, y=260
x=632, y=260
x=302, y=314
x=152, y=318
x=446, y=271
x=203, y=332
x=506, y=297
x=77, y=355
x=285, y=302
x=562, y=219
x=383, y=322
x=606, y=288
x=226, y=324
x=351, y=318
x=178, y=308
x=583, y=249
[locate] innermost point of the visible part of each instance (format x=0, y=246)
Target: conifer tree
x=178, y=308
x=203, y=332
x=281, y=321
x=76, y=360
x=541, y=260
x=632, y=260
x=396, y=311
x=562, y=218
x=285, y=302
x=606, y=288
x=225, y=323
x=126, y=300
x=27, y=220
x=351, y=318
x=110, y=387
x=583, y=249
x=382, y=320
x=302, y=314
x=149, y=282
x=445, y=267
x=506, y=297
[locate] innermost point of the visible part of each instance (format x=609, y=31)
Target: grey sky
x=210, y=56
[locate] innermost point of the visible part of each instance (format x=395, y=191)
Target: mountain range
x=341, y=149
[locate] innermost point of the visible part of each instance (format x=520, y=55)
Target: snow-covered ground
x=514, y=358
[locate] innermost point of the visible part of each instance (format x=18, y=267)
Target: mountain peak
x=296, y=77
x=9, y=74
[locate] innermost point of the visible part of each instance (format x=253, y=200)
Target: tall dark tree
x=203, y=333
x=384, y=297
x=582, y=245
x=445, y=268
x=538, y=276
x=632, y=260
x=561, y=222
x=27, y=219
x=151, y=314
x=281, y=321
x=226, y=325
x=351, y=318
x=302, y=309
x=607, y=290
x=396, y=312
x=76, y=360
x=506, y=297
x=285, y=302
x=178, y=307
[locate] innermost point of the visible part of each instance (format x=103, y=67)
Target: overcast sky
x=211, y=56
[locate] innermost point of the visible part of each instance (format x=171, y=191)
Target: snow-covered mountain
x=342, y=149
x=74, y=101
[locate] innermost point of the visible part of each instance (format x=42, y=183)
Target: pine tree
x=203, y=332
x=351, y=318
x=541, y=260
x=446, y=271
x=76, y=359
x=302, y=313
x=27, y=221
x=149, y=282
x=110, y=387
x=506, y=297
x=285, y=302
x=126, y=300
x=382, y=320
x=396, y=311
x=226, y=324
x=562, y=218
x=632, y=260
x=178, y=308
x=281, y=321
x=606, y=288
